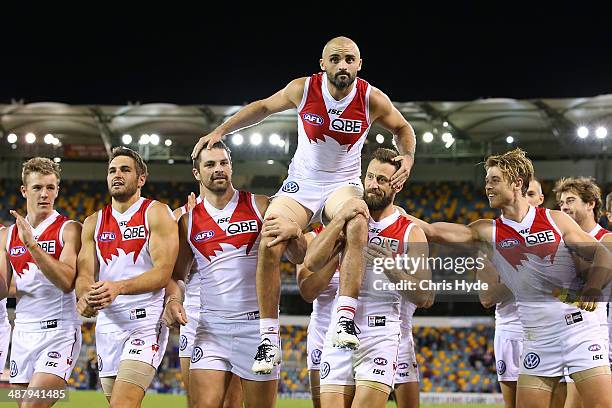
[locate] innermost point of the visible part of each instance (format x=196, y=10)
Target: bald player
x=335, y=112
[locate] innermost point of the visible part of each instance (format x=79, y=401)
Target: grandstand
x=445, y=185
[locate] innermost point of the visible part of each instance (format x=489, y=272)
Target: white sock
x=269, y=329
x=346, y=307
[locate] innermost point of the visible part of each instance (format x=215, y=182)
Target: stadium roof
x=546, y=128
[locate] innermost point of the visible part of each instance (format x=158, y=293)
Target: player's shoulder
x=482, y=228
x=91, y=221
x=159, y=209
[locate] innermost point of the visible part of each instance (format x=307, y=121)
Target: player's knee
x=357, y=229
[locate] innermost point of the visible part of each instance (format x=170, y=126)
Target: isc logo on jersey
x=539, y=238
x=137, y=232
x=380, y=241
x=242, y=227
x=346, y=125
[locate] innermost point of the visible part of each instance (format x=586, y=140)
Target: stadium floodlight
x=55, y=141
x=48, y=138
x=154, y=138
x=170, y=161
x=237, y=139
x=57, y=159
x=380, y=138
x=510, y=140
x=428, y=137
x=601, y=132
x=30, y=138
x=11, y=138
x=168, y=142
x=270, y=162
x=448, y=139
x=582, y=132
x=281, y=143
x=256, y=139
x=274, y=139
x=144, y=139
x=445, y=124
x=126, y=139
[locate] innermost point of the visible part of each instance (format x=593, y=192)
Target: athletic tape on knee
x=537, y=383
x=107, y=385
x=591, y=372
x=136, y=372
x=338, y=389
x=374, y=385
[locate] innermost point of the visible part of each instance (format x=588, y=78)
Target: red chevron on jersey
x=132, y=239
x=242, y=229
x=393, y=235
x=347, y=128
x=540, y=239
x=601, y=232
x=49, y=241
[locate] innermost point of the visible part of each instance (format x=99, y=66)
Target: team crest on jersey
x=313, y=119
x=18, y=251
x=107, y=237
x=509, y=243
x=203, y=236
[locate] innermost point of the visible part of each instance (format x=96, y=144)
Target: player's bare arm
x=174, y=312
x=5, y=266
x=321, y=249
x=287, y=98
x=87, y=266
x=446, y=232
x=386, y=115
x=496, y=291
x=163, y=246
x=310, y=283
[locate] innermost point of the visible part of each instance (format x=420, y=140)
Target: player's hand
x=191, y=201
x=348, y=212
x=589, y=299
x=401, y=175
x=281, y=228
x=174, y=313
x=85, y=308
x=373, y=252
x=24, y=229
x=103, y=293
x=206, y=142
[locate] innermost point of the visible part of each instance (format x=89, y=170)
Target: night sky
x=189, y=57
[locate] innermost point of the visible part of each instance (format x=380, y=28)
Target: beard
x=377, y=202
x=214, y=186
x=124, y=193
x=341, y=84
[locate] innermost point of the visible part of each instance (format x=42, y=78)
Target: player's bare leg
x=208, y=388
x=185, y=376
x=126, y=395
x=233, y=395
x=315, y=388
x=44, y=381
x=268, y=284
x=407, y=395
x=259, y=394
x=535, y=392
x=573, y=399
x=596, y=390
x=19, y=387
x=508, y=389
x=370, y=397
x=342, y=397
x=351, y=269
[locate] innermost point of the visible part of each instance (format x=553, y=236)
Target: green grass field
x=91, y=399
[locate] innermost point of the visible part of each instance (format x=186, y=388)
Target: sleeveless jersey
x=331, y=133
x=38, y=300
x=602, y=308
x=225, y=244
x=192, y=284
x=532, y=260
x=3, y=311
x=122, y=246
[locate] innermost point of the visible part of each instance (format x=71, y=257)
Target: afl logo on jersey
x=203, y=236
x=18, y=251
x=291, y=187
x=313, y=119
x=509, y=243
x=107, y=237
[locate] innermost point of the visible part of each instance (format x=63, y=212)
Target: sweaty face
x=40, y=191
x=341, y=62
x=122, y=178
x=215, y=170
x=534, y=194
x=571, y=204
x=378, y=192
x=499, y=190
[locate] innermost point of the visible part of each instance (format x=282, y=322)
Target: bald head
x=341, y=44
x=534, y=193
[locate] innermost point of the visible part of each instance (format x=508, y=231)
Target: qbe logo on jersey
x=136, y=232
x=47, y=246
x=242, y=227
x=539, y=238
x=346, y=125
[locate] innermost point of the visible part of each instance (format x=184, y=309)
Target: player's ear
x=321, y=64
x=196, y=174
x=23, y=190
x=360, y=62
